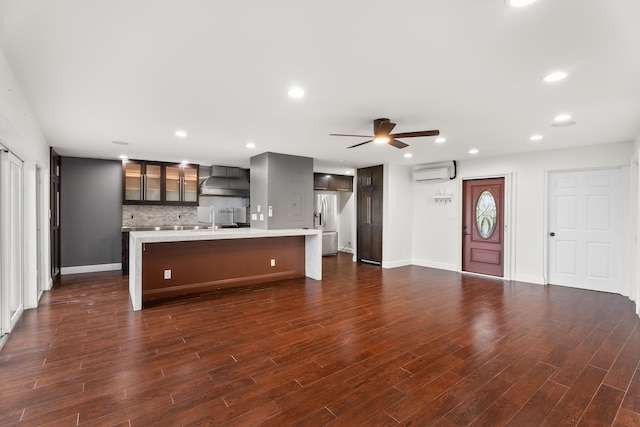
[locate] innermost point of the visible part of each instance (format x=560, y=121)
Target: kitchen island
x=168, y=263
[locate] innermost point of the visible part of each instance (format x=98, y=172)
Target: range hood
x=224, y=181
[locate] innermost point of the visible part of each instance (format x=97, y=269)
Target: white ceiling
x=97, y=71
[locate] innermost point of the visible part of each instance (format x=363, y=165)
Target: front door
x=483, y=226
x=585, y=229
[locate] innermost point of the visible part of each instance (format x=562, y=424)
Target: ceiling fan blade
x=416, y=134
x=344, y=134
x=385, y=128
x=362, y=143
x=398, y=144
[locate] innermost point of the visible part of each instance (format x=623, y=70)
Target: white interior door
x=11, y=246
x=585, y=229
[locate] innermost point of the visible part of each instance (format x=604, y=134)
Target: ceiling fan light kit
x=382, y=134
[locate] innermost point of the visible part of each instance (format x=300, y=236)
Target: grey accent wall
x=90, y=211
x=284, y=183
x=258, y=189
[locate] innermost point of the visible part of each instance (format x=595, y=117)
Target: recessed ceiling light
x=296, y=92
x=250, y=145
x=123, y=157
x=536, y=137
x=348, y=172
x=381, y=140
x=408, y=156
x=520, y=3
x=563, y=124
x=556, y=76
x=474, y=151
x=562, y=118
x=181, y=134
x=440, y=140
x=185, y=162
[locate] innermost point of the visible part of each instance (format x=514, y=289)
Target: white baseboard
x=347, y=250
x=91, y=268
x=395, y=264
x=530, y=278
x=437, y=265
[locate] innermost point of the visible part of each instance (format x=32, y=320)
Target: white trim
x=395, y=264
x=436, y=265
x=530, y=278
x=91, y=268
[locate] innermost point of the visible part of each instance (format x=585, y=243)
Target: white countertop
x=225, y=233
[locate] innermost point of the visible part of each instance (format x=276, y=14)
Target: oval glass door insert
x=486, y=214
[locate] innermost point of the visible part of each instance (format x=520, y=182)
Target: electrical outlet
x=254, y=217
x=167, y=274
x=273, y=262
x=261, y=217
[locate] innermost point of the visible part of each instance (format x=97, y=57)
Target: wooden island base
x=170, y=263
x=207, y=265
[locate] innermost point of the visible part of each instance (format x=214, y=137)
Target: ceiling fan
x=382, y=133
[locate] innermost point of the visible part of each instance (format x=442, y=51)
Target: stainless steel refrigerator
x=325, y=218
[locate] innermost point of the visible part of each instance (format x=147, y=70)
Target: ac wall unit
x=442, y=171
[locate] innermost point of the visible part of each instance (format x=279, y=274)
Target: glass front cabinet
x=181, y=183
x=159, y=183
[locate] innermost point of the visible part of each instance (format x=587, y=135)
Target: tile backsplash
x=144, y=215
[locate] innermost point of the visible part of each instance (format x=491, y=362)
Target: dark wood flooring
x=364, y=346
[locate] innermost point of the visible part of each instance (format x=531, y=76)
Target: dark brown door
x=54, y=222
x=369, y=214
x=483, y=226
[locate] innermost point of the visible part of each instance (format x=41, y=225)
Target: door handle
x=465, y=234
x=552, y=234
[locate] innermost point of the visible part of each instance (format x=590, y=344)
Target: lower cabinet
x=125, y=252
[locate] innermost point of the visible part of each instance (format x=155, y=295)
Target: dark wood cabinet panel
x=323, y=181
x=320, y=181
x=158, y=183
x=369, y=214
x=125, y=252
x=341, y=183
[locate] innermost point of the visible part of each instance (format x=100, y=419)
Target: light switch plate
x=254, y=217
x=167, y=274
x=270, y=211
x=261, y=217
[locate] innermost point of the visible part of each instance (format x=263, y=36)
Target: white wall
x=397, y=235
x=437, y=227
x=20, y=132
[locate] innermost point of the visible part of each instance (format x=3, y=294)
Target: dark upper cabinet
x=320, y=181
x=323, y=181
x=142, y=182
x=181, y=184
x=158, y=183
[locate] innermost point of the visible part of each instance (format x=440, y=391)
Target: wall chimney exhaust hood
x=224, y=181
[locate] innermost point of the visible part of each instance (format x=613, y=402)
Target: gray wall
x=90, y=211
x=258, y=189
x=286, y=183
